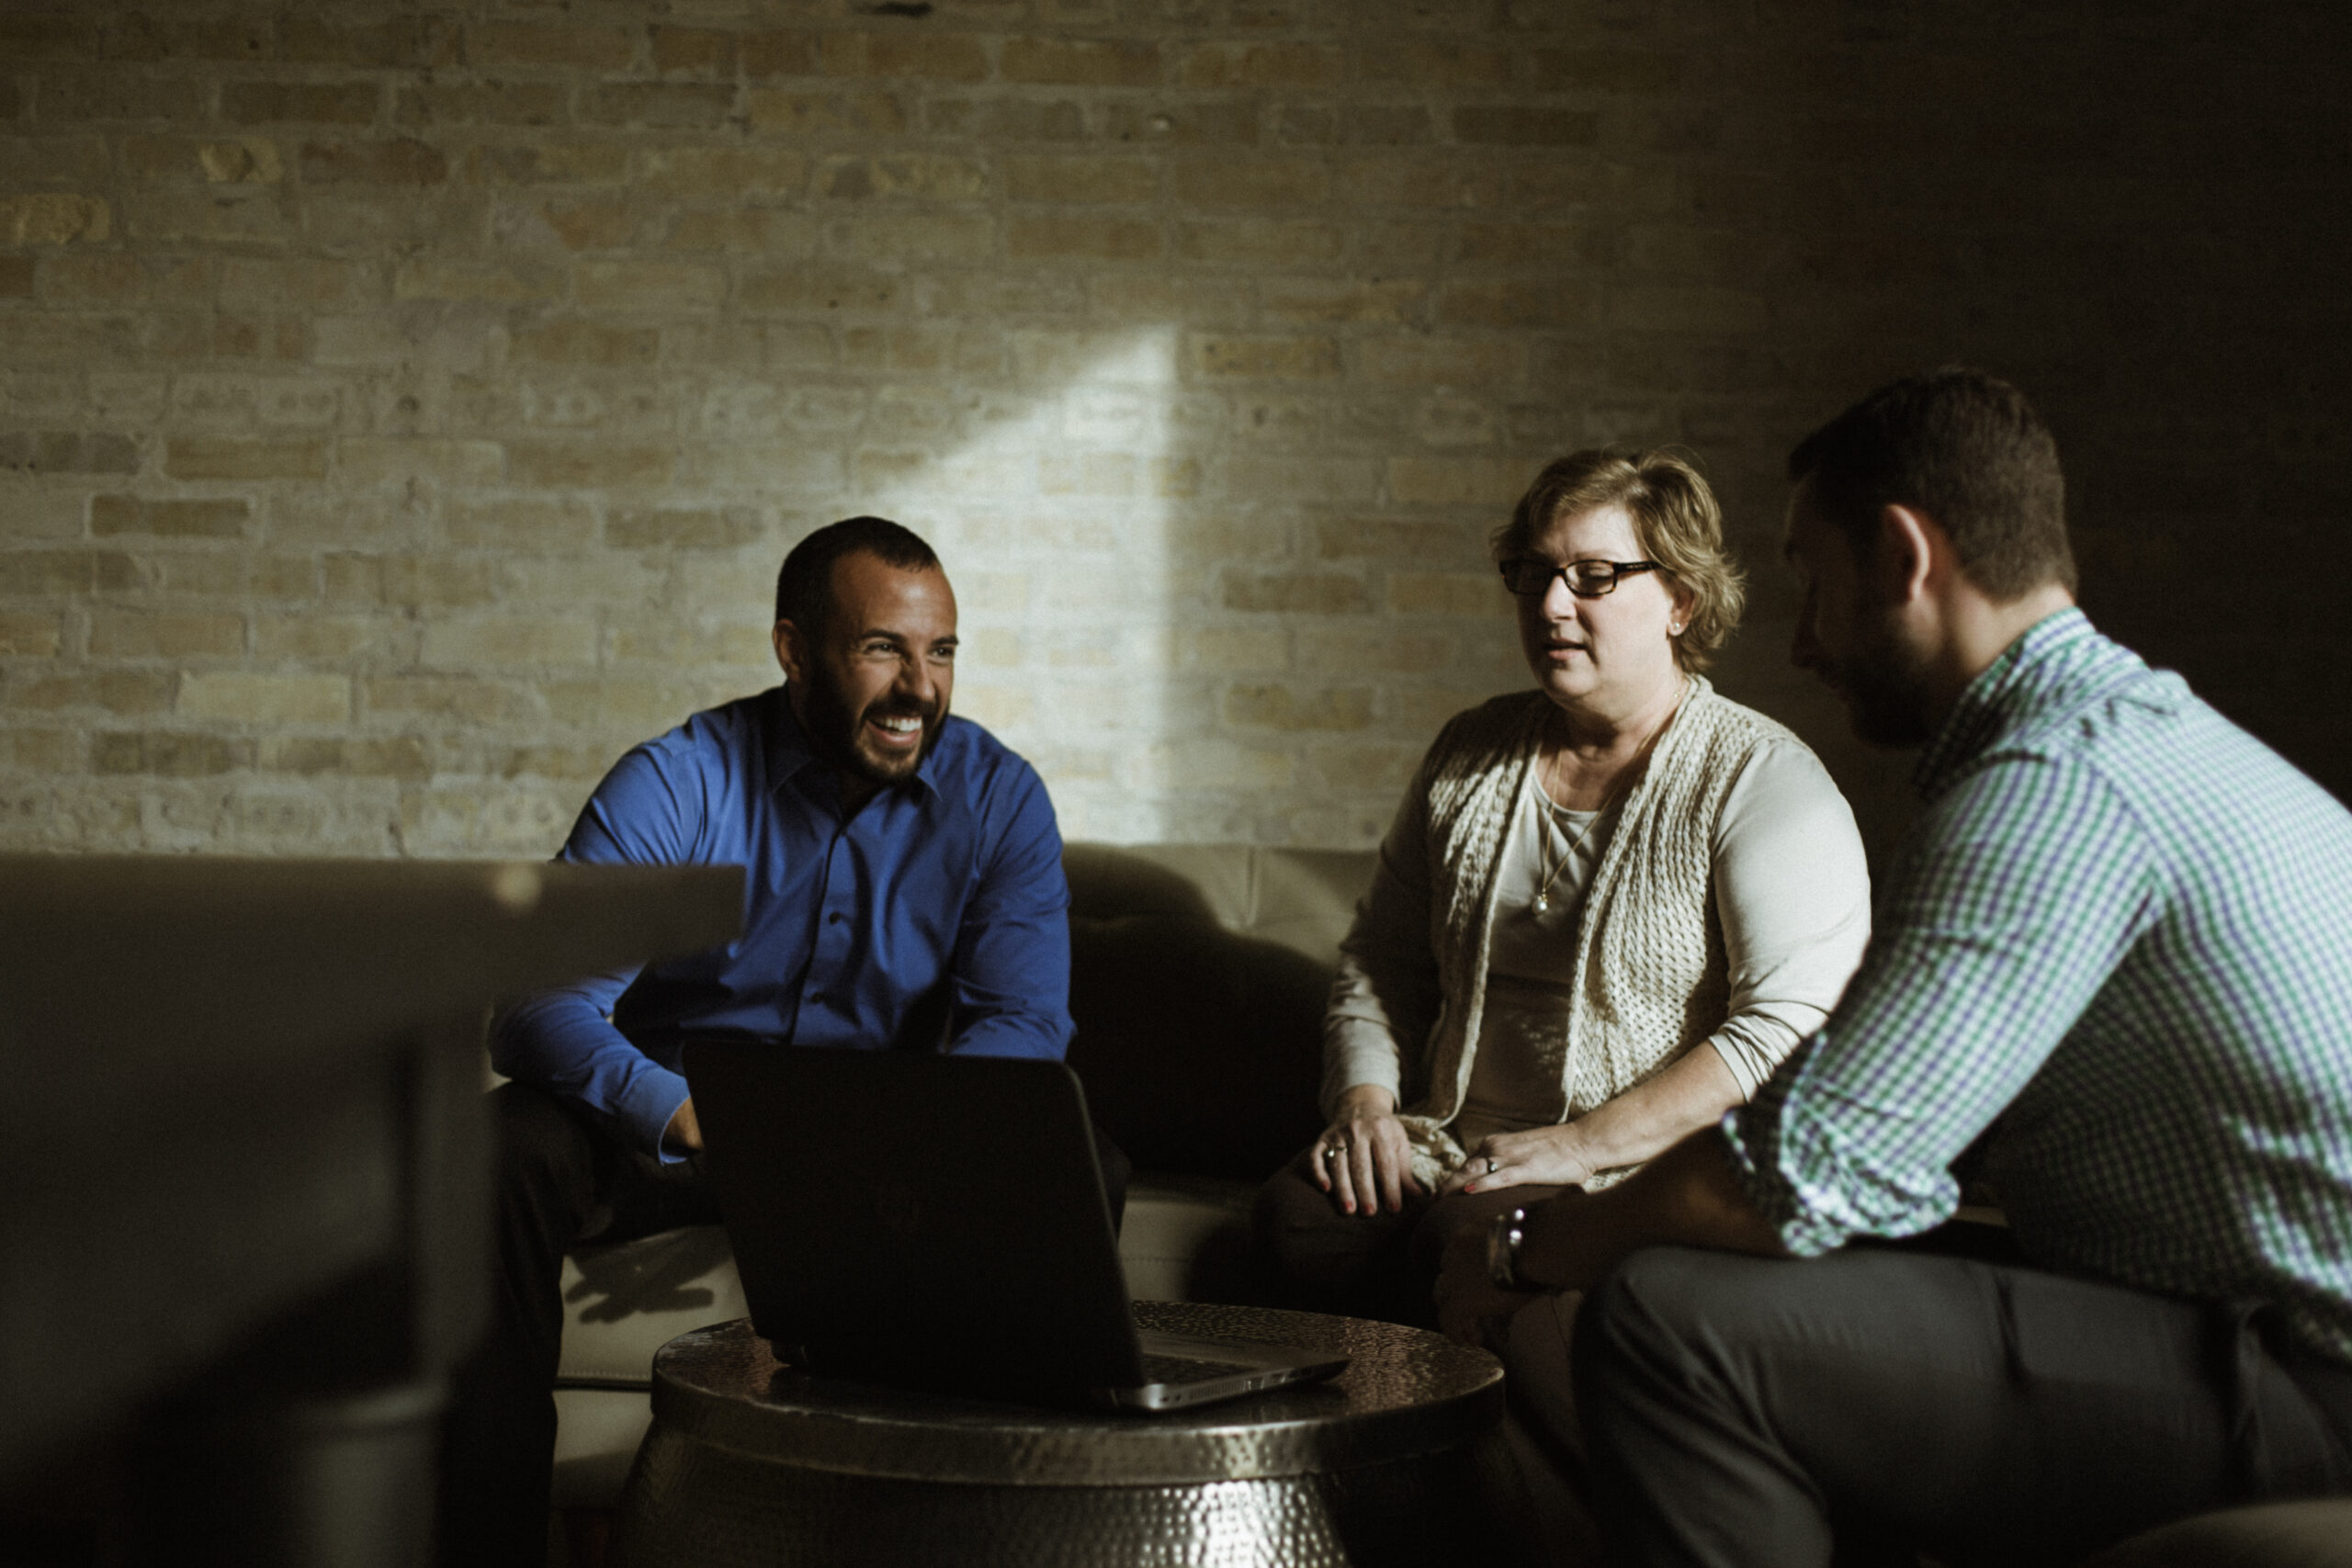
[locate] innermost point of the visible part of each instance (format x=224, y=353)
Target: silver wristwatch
x=1503, y=1240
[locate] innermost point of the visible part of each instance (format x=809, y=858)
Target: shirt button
x=836, y=917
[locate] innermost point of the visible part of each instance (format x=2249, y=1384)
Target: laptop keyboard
x=1190, y=1369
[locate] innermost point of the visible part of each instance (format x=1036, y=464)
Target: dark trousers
x=561, y=1182
x=1738, y=1410
x=1321, y=1259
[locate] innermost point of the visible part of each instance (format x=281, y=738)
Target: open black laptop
x=939, y=1222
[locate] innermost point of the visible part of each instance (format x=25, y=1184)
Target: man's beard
x=1884, y=685
x=839, y=735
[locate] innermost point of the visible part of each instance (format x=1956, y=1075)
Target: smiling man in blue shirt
x=903, y=891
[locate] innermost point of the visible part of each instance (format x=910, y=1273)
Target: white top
x=1792, y=895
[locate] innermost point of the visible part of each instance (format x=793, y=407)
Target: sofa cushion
x=2314, y=1534
x=1199, y=976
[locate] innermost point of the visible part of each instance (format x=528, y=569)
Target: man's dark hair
x=1965, y=449
x=804, y=589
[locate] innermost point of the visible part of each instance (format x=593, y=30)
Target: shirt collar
x=789, y=751
x=2003, y=691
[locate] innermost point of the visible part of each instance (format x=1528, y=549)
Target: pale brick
x=1611, y=70
x=550, y=162
x=468, y=699
x=524, y=524
x=1288, y=708
x=258, y=284
x=915, y=237
x=54, y=218
x=138, y=634
x=587, y=343
x=1424, y=61
x=806, y=114
x=1272, y=240
x=693, y=52
x=398, y=161
x=1231, y=648
x=1700, y=310
x=1083, y=62
x=629, y=709
x=1257, y=181
x=1519, y=125
x=1186, y=123
x=1516, y=303
x=1262, y=65
x=1386, y=301
x=102, y=278
x=482, y=103
x=29, y=634
x=1069, y=178
x=938, y=57
x=143, y=37
x=435, y=582
x=584, y=46
x=248, y=697
x=367, y=459
x=1446, y=594
x=67, y=452
x=1352, y=652
x=1382, y=768
x=223, y=458
x=492, y=282
x=16, y=277
x=729, y=172
x=509, y=641
x=395, y=42
x=683, y=527
x=322, y=103
x=567, y=464
x=332, y=638
x=663, y=287
x=1458, y=482
x=132, y=694
x=166, y=754
x=41, y=750
x=506, y=819
x=1270, y=358
x=904, y=175
x=1059, y=235
x=1478, y=362
x=1194, y=765
x=404, y=757
x=658, y=106
x=778, y=54
x=1293, y=593
x=73, y=96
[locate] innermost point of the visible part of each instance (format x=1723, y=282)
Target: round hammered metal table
x=1398, y=1459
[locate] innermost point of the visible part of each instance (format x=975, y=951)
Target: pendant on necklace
x=1543, y=902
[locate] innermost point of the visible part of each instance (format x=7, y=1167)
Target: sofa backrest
x=1199, y=974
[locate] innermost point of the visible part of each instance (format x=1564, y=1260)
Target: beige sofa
x=1198, y=979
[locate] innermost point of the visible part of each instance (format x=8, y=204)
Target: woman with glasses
x=1607, y=908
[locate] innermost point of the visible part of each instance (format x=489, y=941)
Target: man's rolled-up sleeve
x=1010, y=965
x=2020, y=891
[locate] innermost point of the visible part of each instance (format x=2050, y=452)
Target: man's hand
x=1363, y=1158
x=1540, y=1157
x=683, y=1134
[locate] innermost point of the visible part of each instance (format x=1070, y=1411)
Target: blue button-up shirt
x=2122, y=927
x=936, y=916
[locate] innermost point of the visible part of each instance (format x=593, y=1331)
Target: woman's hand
x=1540, y=1157
x=1363, y=1158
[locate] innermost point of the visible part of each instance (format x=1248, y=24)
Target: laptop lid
x=908, y=1217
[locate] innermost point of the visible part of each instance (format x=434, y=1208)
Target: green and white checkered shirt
x=2123, y=927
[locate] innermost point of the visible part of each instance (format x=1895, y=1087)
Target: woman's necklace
x=1543, y=894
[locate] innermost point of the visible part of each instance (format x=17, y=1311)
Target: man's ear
x=1908, y=555
x=791, y=651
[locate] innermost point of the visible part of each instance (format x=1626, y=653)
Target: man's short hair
x=1675, y=521
x=1965, y=449
x=804, y=589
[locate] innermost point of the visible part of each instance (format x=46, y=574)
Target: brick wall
x=403, y=407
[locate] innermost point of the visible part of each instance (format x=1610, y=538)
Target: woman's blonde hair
x=1675, y=517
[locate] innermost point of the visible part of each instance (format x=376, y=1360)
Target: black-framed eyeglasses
x=1528, y=576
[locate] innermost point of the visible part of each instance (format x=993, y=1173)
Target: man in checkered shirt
x=2117, y=949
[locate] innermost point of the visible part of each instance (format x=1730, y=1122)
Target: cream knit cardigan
x=1650, y=978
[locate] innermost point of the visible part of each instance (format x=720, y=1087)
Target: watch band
x=1504, y=1238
